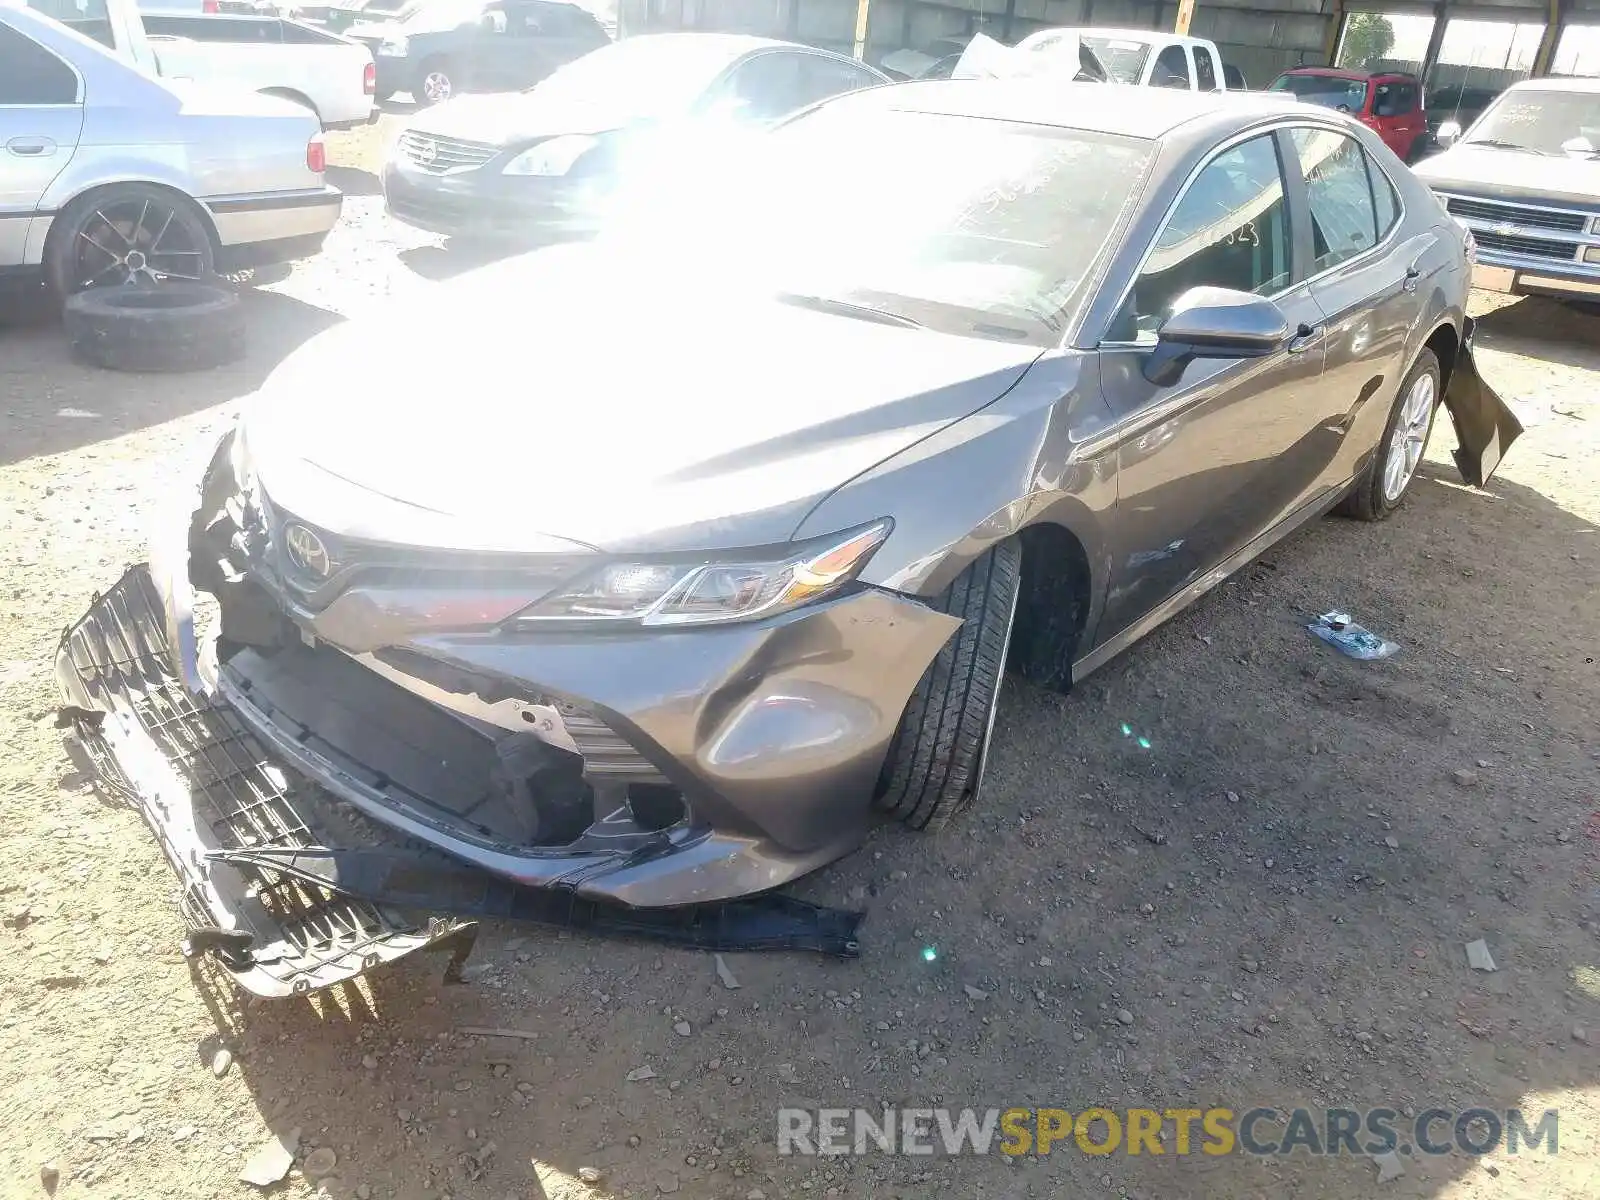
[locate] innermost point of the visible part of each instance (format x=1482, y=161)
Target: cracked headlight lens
x=704, y=593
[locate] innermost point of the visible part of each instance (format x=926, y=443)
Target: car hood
x=560, y=399
x=504, y=118
x=1512, y=175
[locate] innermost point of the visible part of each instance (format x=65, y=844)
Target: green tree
x=1368, y=37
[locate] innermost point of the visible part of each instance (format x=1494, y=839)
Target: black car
x=546, y=164
x=440, y=48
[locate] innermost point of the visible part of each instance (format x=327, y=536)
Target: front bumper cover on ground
x=290, y=888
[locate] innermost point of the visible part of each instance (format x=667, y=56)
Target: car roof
x=1140, y=112
x=1341, y=73
x=734, y=44
x=1557, y=83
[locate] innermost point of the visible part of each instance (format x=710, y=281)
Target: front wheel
x=935, y=765
x=1383, y=485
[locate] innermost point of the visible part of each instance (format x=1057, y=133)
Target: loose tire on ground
x=934, y=768
x=172, y=326
x=1366, y=500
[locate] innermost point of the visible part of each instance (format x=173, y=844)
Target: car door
x=41, y=117
x=1369, y=280
x=1209, y=464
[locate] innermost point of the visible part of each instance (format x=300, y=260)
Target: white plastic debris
x=1389, y=1166
x=727, y=977
x=1478, y=957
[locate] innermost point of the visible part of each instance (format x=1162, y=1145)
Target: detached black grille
x=1514, y=244
x=1516, y=214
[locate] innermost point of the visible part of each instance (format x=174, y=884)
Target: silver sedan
x=110, y=175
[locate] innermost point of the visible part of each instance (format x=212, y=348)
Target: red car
x=1389, y=103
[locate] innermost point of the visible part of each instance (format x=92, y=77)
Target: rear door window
x=819, y=77
x=32, y=74
x=1205, y=71
x=1344, y=220
x=1171, y=69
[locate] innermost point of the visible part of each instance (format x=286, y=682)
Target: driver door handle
x=31, y=147
x=1413, y=273
x=1304, y=338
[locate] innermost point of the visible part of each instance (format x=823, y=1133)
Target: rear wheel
x=436, y=82
x=1384, y=484
x=936, y=762
x=129, y=233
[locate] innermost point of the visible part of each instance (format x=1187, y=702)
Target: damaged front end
x=364, y=740
x=205, y=785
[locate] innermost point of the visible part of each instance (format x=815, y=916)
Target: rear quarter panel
x=148, y=138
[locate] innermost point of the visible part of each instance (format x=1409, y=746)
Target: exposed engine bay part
x=249, y=838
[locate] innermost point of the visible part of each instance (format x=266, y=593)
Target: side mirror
x=1212, y=322
x=1447, y=134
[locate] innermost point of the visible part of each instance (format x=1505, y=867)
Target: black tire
x=92, y=219
x=169, y=327
x=1366, y=500
x=439, y=66
x=934, y=768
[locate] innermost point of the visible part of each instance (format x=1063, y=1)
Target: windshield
x=970, y=226
x=1123, y=58
x=1326, y=90
x=1543, y=121
x=639, y=76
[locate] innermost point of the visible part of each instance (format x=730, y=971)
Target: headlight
x=553, y=157
x=702, y=593
x=393, y=47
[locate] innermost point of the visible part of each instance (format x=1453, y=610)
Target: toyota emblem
x=425, y=151
x=307, y=552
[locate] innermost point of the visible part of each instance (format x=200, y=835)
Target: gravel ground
x=1268, y=905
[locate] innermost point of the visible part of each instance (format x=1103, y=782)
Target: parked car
x=329, y=75
x=1143, y=57
x=1388, y=102
x=1525, y=179
x=444, y=47
x=938, y=377
x=112, y=175
x=549, y=162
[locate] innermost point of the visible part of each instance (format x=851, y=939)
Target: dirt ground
x=1265, y=906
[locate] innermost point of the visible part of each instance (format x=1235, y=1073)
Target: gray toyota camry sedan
x=648, y=568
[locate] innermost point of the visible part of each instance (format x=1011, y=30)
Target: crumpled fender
x=1485, y=426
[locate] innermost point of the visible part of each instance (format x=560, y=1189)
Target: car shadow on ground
x=83, y=404
x=1233, y=869
x=455, y=257
x=353, y=181
x=1545, y=329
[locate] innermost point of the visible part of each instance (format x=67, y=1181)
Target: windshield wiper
x=844, y=307
x=1499, y=144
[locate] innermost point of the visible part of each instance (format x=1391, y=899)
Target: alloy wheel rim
x=1410, y=437
x=436, y=86
x=135, y=241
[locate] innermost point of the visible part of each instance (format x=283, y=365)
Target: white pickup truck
x=1144, y=56
x=331, y=75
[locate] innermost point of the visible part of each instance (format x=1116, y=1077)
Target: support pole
x=1552, y=37
x=1336, y=20
x=862, y=7
x=1185, y=15
x=1430, y=56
